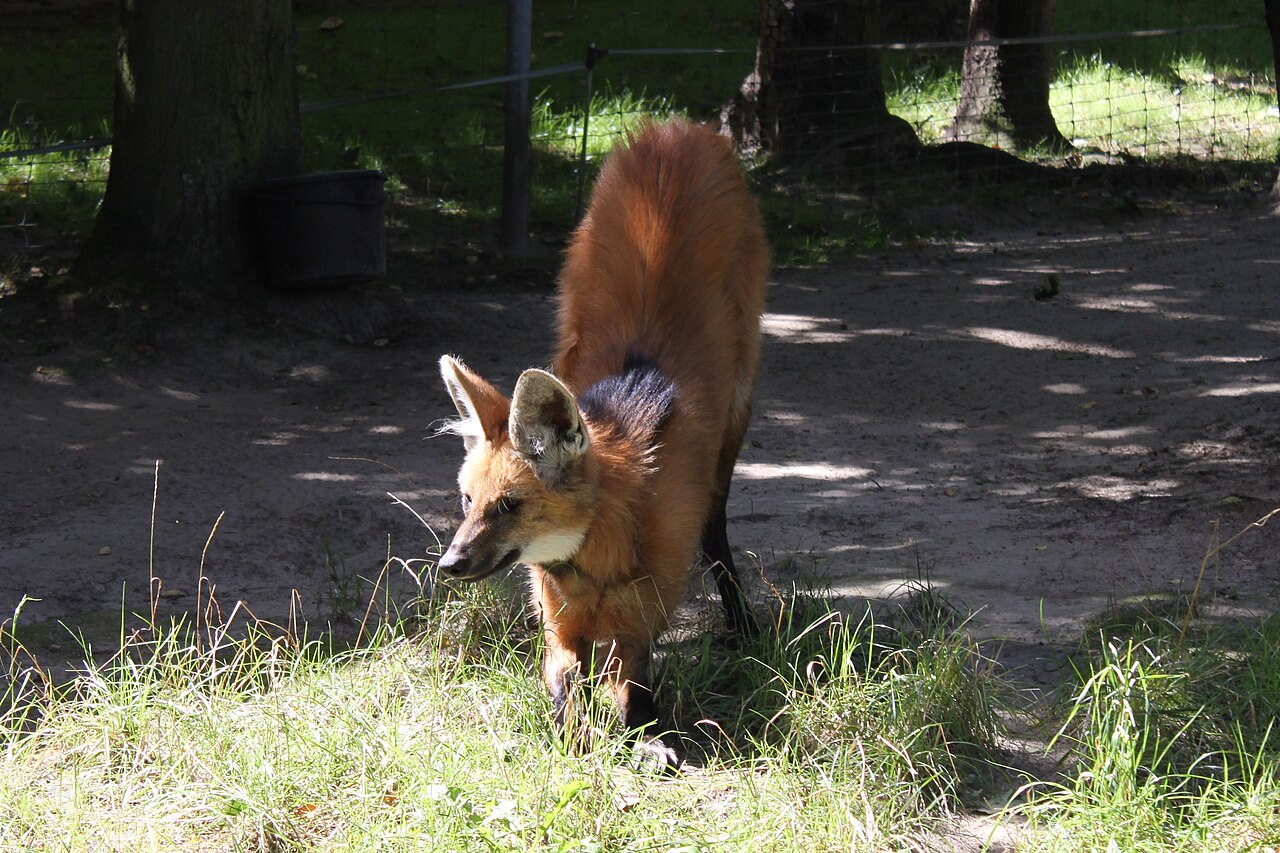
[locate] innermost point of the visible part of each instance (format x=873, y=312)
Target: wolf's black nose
x=453, y=563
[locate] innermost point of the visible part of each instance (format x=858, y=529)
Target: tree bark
x=806, y=93
x=206, y=103
x=1273, y=27
x=1004, y=89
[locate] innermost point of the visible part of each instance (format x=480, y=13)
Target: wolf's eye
x=466, y=503
x=504, y=505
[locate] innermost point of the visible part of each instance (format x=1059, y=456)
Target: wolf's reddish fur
x=606, y=475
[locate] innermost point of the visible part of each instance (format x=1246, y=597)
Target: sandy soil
x=920, y=414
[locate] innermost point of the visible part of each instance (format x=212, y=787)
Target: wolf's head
x=528, y=483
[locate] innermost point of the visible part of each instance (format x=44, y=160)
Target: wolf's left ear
x=545, y=425
x=482, y=410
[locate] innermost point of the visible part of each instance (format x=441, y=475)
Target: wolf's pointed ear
x=546, y=426
x=482, y=409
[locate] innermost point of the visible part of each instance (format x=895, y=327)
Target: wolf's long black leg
x=715, y=547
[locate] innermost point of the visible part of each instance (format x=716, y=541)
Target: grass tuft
x=434, y=733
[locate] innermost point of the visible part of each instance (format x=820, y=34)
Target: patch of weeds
x=848, y=694
x=1158, y=757
x=1169, y=732
x=343, y=593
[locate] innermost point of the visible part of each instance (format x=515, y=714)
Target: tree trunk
x=206, y=103
x=1004, y=89
x=801, y=99
x=1273, y=27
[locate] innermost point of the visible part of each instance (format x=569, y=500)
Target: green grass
x=50, y=193
x=434, y=734
x=1206, y=96
x=826, y=732
x=1193, y=109
x=1167, y=749
x=1169, y=734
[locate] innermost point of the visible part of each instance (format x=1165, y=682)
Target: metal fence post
x=514, y=235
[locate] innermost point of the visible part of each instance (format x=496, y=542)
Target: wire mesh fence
x=416, y=89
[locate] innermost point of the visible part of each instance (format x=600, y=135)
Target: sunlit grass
x=558, y=127
x=860, y=729
x=435, y=734
x=1158, y=760
x=1192, y=110
x=65, y=186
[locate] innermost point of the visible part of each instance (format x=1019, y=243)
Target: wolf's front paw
x=651, y=755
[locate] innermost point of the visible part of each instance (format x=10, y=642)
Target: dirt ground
x=920, y=415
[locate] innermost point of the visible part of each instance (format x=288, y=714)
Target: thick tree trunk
x=802, y=98
x=206, y=103
x=1004, y=89
x=1273, y=27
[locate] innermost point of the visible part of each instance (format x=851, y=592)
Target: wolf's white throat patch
x=560, y=545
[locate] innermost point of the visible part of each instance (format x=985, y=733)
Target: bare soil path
x=920, y=414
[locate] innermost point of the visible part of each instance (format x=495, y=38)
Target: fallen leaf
x=173, y=593
x=1087, y=405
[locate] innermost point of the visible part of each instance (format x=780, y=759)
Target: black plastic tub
x=322, y=229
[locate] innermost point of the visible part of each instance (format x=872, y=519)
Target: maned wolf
x=606, y=473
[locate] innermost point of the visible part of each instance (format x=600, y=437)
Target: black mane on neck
x=637, y=402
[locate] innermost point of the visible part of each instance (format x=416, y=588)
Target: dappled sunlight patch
x=1018, y=490
x=1216, y=359
x=1119, y=433
x=1119, y=489
x=185, y=396
x=91, y=406
x=1031, y=341
x=907, y=545
x=311, y=372
x=1124, y=304
x=326, y=477
x=145, y=466
x=801, y=470
x=1070, y=388
x=783, y=416
x=1116, y=441
x=891, y=582
x=800, y=328
x=1243, y=389
x=1219, y=451
x=277, y=439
